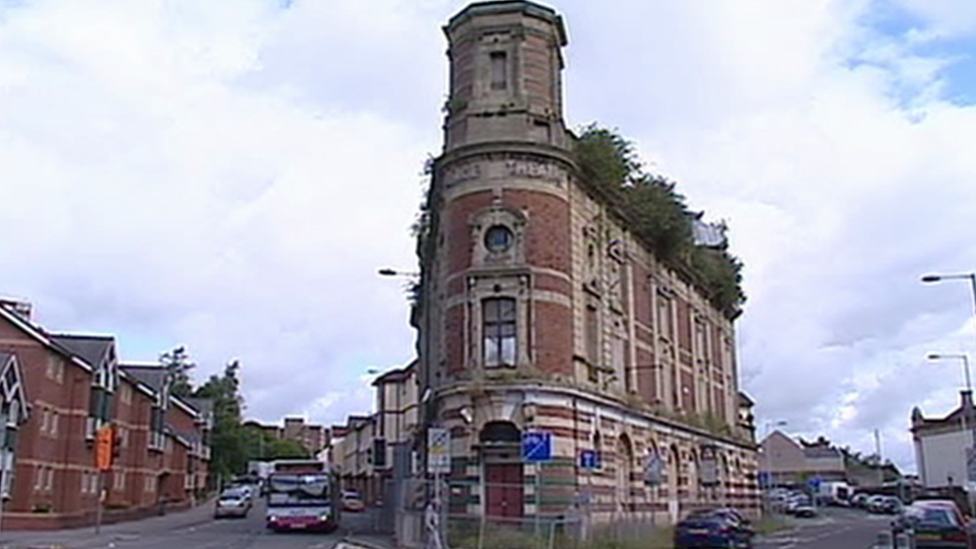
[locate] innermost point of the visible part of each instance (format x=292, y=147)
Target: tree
x=287, y=449
x=228, y=437
x=178, y=365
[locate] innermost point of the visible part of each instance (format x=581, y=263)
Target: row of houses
x=58, y=390
x=361, y=451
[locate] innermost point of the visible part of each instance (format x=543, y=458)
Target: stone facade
x=542, y=311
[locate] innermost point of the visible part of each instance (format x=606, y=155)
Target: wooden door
x=503, y=491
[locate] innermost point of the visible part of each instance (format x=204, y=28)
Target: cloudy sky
x=229, y=175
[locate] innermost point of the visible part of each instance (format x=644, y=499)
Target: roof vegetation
x=658, y=215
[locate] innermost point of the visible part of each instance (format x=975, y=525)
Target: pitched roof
x=203, y=405
x=152, y=375
x=818, y=451
x=93, y=349
x=37, y=333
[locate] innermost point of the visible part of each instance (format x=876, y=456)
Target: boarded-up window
x=499, y=70
x=592, y=336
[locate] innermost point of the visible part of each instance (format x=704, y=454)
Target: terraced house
x=542, y=310
x=72, y=385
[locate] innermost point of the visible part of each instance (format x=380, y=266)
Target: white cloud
x=230, y=175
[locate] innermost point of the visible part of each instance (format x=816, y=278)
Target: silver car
x=232, y=503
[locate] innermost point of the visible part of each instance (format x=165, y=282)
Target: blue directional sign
x=536, y=446
x=814, y=483
x=764, y=478
x=589, y=459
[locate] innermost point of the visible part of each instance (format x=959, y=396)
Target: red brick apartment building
x=541, y=309
x=73, y=385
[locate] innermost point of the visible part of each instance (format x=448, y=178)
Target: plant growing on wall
x=658, y=215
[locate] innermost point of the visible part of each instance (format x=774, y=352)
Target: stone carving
x=535, y=170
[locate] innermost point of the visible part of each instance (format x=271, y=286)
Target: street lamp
x=965, y=364
x=386, y=271
x=971, y=277
x=965, y=411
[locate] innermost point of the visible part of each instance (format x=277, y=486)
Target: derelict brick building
x=540, y=309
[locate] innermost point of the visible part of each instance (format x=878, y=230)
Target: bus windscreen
x=298, y=490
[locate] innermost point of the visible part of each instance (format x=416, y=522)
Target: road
x=835, y=528
x=204, y=533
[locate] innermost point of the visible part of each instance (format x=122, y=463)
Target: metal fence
x=425, y=515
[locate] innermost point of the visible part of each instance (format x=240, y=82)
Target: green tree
x=229, y=452
x=287, y=449
x=178, y=365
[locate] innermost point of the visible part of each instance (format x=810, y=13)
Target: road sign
x=764, y=478
x=536, y=446
x=103, y=448
x=589, y=459
x=653, y=468
x=971, y=464
x=814, y=483
x=438, y=451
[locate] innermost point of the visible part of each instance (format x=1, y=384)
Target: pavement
x=86, y=538
x=190, y=525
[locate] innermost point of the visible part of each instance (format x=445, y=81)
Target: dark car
x=713, y=528
x=934, y=524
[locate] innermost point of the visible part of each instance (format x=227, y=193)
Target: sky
x=230, y=175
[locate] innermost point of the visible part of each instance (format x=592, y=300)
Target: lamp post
x=971, y=277
x=434, y=509
x=766, y=458
x=965, y=411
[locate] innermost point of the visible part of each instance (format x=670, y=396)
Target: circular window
x=498, y=238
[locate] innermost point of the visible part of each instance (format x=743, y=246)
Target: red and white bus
x=302, y=495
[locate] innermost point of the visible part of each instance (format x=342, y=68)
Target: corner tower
x=505, y=83
x=502, y=266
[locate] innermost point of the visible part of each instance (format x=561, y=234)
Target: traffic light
x=104, y=443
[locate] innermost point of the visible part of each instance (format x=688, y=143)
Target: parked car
x=721, y=527
x=934, y=524
x=797, y=501
x=232, y=503
x=888, y=505
x=804, y=508
x=860, y=500
x=352, y=502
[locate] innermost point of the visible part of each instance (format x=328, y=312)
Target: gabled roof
x=12, y=386
x=966, y=411
x=37, y=333
x=93, y=349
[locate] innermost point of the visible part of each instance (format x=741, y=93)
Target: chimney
x=18, y=307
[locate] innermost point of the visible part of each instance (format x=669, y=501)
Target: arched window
x=498, y=315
